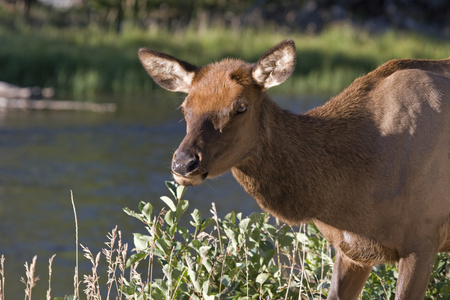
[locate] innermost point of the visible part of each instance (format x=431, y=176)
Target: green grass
x=86, y=62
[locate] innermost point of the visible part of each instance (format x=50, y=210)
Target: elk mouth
x=190, y=179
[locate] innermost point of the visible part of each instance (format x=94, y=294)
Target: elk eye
x=241, y=108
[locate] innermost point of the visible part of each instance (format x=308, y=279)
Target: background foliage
x=90, y=49
x=311, y=15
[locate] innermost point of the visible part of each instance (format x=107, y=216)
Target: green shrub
x=231, y=258
x=237, y=257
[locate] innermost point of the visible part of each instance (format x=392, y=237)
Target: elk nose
x=184, y=163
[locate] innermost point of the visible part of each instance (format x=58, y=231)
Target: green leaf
x=226, y=280
x=205, y=288
x=133, y=214
x=167, y=270
x=169, y=218
x=70, y=297
x=285, y=240
x=266, y=245
x=162, y=245
x=147, y=210
x=231, y=235
x=126, y=288
x=184, y=232
x=301, y=237
x=206, y=223
x=197, y=216
x=162, y=286
x=182, y=206
x=244, y=224
x=196, y=245
x=141, y=241
x=172, y=186
x=441, y=265
x=180, y=192
x=230, y=217
x=194, y=280
x=169, y=203
x=207, y=264
x=268, y=255
x=262, y=277
x=134, y=258
x=203, y=251
x=255, y=235
x=172, y=229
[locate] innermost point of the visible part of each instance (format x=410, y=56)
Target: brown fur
x=370, y=167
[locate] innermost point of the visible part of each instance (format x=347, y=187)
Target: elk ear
x=167, y=71
x=276, y=65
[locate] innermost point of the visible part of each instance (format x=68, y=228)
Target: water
x=109, y=161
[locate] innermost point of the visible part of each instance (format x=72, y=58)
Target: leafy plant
x=236, y=257
x=229, y=258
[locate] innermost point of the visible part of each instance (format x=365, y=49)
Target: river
x=109, y=161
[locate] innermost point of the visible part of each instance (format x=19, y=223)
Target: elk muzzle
x=186, y=168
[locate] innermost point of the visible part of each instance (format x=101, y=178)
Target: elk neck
x=309, y=166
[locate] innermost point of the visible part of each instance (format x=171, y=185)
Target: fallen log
x=58, y=105
x=10, y=91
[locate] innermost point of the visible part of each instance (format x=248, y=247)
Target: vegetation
x=236, y=257
x=91, y=48
x=88, y=62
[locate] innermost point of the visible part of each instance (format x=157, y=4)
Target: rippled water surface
x=109, y=161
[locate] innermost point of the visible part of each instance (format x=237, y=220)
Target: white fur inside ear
x=275, y=68
x=168, y=73
x=171, y=70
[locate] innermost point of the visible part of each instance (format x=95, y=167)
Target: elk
x=370, y=168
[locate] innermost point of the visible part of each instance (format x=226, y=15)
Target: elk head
x=223, y=108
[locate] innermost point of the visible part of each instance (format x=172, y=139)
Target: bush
x=238, y=257
x=234, y=258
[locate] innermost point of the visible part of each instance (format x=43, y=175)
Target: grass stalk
x=92, y=290
x=122, y=258
x=30, y=280
x=50, y=263
x=246, y=270
x=215, y=218
x=302, y=266
x=2, y=273
x=112, y=265
x=291, y=274
x=150, y=272
x=76, y=282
